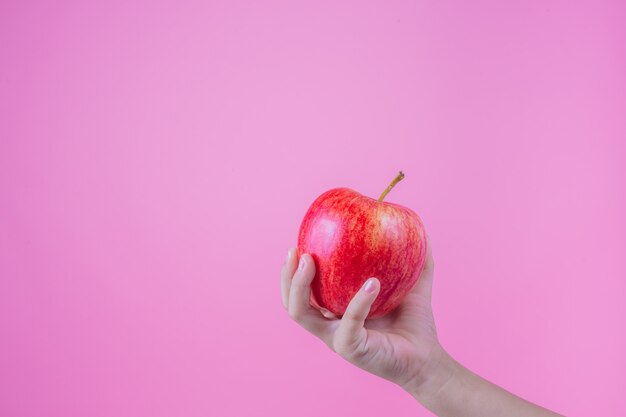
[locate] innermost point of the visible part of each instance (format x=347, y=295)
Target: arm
x=401, y=347
x=447, y=388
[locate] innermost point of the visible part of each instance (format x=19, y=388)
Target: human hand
x=397, y=347
x=401, y=346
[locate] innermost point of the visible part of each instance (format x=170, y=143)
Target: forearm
x=450, y=390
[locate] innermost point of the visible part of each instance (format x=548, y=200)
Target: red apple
x=353, y=237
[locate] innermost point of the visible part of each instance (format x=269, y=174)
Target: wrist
x=437, y=371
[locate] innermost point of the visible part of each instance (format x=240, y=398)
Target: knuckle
x=301, y=283
x=358, y=352
x=298, y=283
x=352, y=317
x=340, y=347
x=347, y=349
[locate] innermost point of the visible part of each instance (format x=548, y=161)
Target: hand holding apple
x=359, y=244
x=352, y=237
x=401, y=346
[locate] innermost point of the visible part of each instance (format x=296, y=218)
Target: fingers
x=300, y=292
x=429, y=266
x=285, y=275
x=299, y=305
x=424, y=286
x=351, y=334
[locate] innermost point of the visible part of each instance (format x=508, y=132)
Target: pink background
x=156, y=160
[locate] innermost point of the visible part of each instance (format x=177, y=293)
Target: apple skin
x=351, y=238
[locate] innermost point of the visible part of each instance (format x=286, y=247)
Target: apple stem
x=396, y=180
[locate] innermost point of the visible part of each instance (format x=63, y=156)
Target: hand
x=397, y=347
x=401, y=346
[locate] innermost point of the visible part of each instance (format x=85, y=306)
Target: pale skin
x=401, y=347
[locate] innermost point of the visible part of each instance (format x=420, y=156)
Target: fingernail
x=369, y=286
x=289, y=254
x=302, y=263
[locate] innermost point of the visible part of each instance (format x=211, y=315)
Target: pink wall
x=156, y=160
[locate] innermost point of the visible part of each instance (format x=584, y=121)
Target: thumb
x=351, y=332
